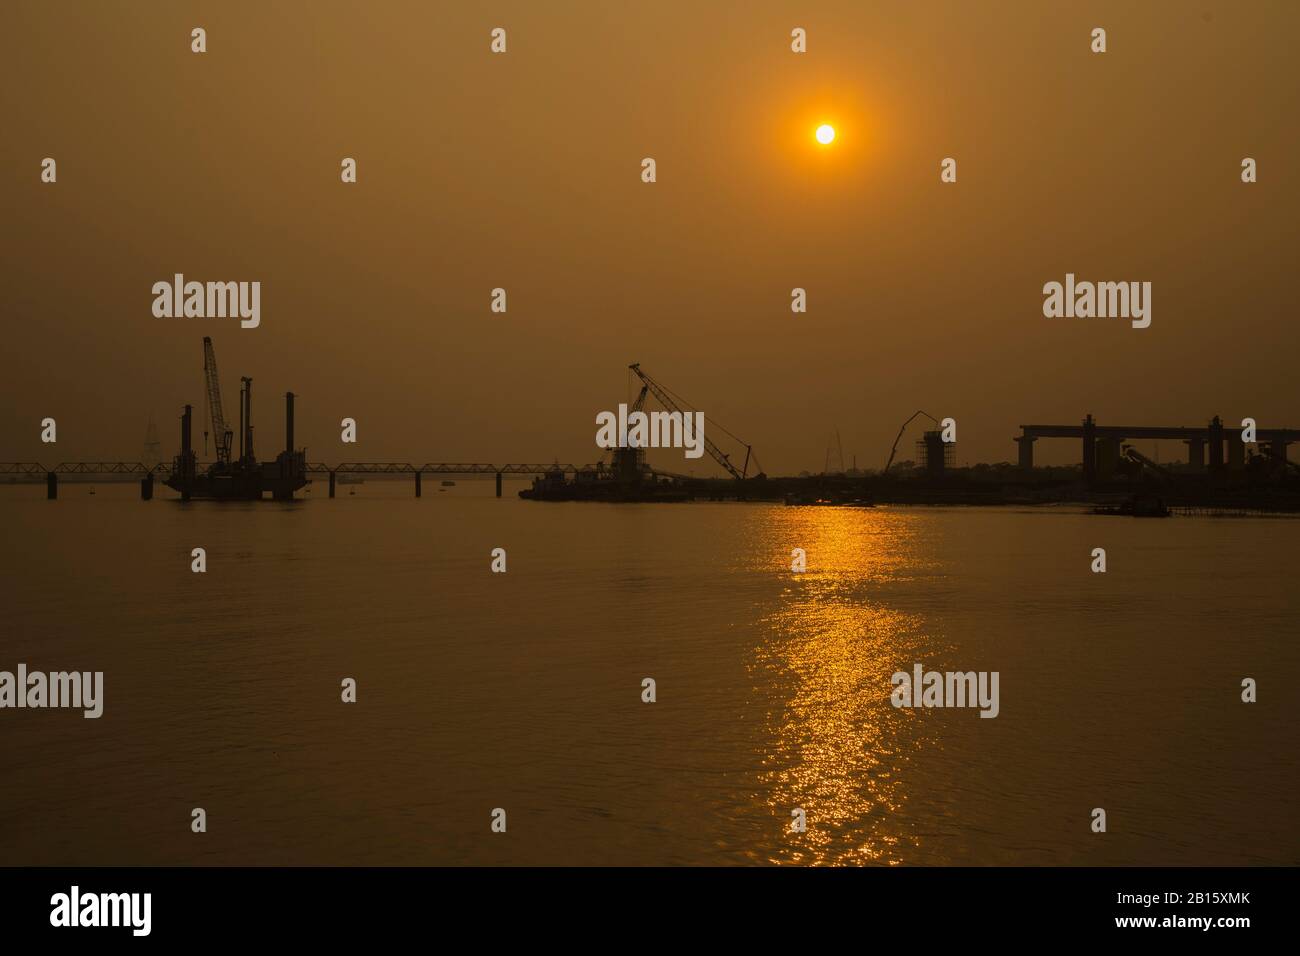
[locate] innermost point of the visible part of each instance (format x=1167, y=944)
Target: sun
x=825, y=134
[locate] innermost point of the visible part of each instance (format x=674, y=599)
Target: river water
x=523, y=691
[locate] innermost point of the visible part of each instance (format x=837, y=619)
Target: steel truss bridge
x=35, y=471
x=15, y=472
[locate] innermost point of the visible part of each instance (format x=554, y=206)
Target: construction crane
x=638, y=454
x=221, y=435
x=893, y=451
x=718, y=455
x=640, y=402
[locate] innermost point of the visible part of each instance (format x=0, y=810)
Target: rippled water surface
x=523, y=690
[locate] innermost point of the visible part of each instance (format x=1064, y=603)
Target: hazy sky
x=523, y=171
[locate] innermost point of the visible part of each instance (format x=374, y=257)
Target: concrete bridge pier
x=1236, y=452
x=1107, y=457
x=498, y=484
x=1216, y=444
x=417, y=484
x=51, y=486
x=146, y=487
x=1089, y=450
x=933, y=454
x=1196, y=453
x=331, y=484
x=1026, y=444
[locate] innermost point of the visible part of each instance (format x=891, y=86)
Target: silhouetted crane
x=221, y=435
x=722, y=458
x=893, y=451
x=628, y=460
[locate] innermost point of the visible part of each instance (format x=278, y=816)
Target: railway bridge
x=34, y=472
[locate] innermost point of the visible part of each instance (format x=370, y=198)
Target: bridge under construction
x=1103, y=445
x=1221, y=468
x=1218, y=462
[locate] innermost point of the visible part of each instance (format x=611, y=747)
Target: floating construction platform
x=243, y=478
x=231, y=478
x=600, y=484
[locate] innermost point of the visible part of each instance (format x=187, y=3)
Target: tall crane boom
x=714, y=451
x=640, y=399
x=899, y=437
x=220, y=433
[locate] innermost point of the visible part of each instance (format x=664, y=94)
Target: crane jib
x=220, y=433
x=718, y=455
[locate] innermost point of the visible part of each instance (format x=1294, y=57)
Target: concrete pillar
x=1196, y=453
x=187, y=445
x=1026, y=444
x=1216, y=444
x=417, y=484
x=331, y=484
x=288, y=424
x=498, y=484
x=146, y=487
x=248, y=417
x=1277, y=447
x=1089, y=450
x=51, y=486
x=1236, y=452
x=934, y=448
x=1107, y=457
x=188, y=465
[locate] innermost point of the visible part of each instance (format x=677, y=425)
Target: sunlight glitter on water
x=838, y=750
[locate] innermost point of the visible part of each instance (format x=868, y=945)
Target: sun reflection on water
x=835, y=746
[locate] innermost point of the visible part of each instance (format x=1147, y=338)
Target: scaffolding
x=934, y=456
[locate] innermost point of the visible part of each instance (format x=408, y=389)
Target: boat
x=1138, y=506
x=828, y=499
x=604, y=485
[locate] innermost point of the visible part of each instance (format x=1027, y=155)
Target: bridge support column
x=331, y=484
x=146, y=487
x=933, y=454
x=417, y=484
x=1089, y=450
x=1236, y=452
x=1216, y=445
x=51, y=486
x=1026, y=444
x=498, y=484
x=1196, y=453
x=1107, y=457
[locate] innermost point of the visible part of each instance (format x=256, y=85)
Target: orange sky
x=523, y=171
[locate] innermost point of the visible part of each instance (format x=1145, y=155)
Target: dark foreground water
x=523, y=690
